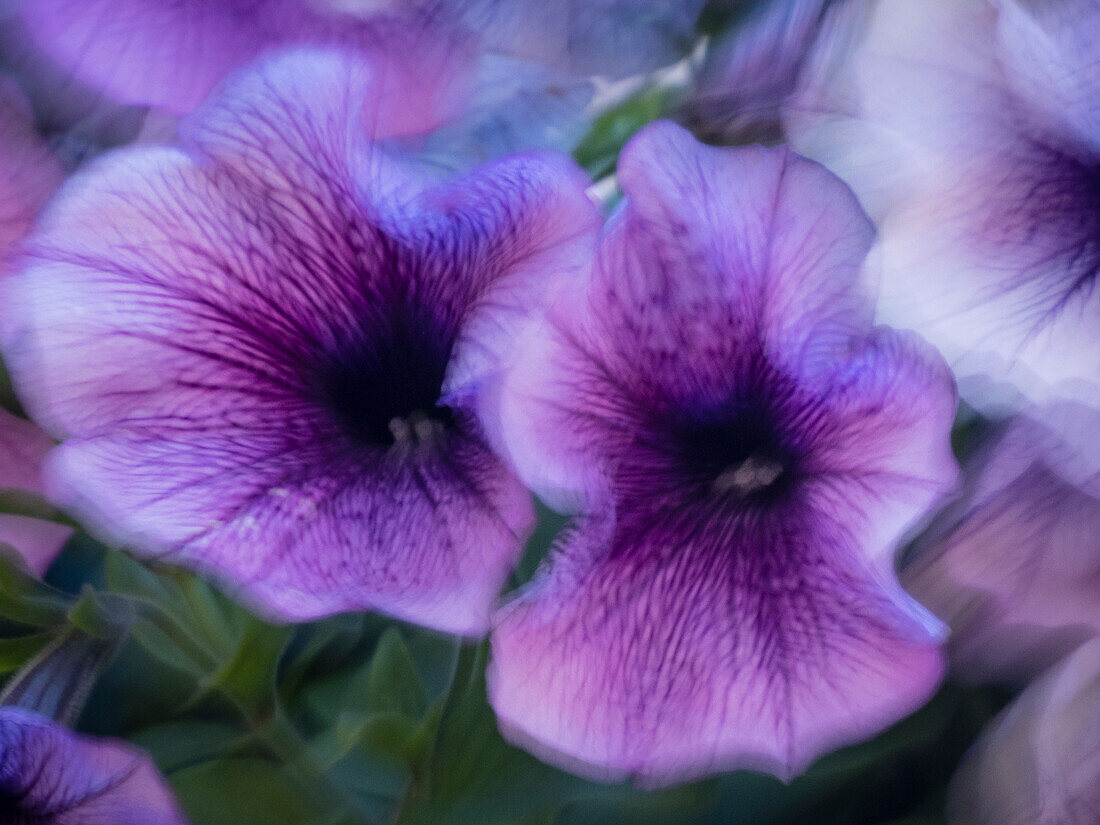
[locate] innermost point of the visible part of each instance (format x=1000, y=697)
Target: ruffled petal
x=701, y=645
x=53, y=775
x=884, y=452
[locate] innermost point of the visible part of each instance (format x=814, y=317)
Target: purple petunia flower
x=745, y=452
x=171, y=55
x=52, y=776
x=971, y=129
x=263, y=350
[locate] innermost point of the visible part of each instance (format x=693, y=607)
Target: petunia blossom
x=1014, y=565
x=171, y=55
x=52, y=776
x=744, y=451
x=262, y=350
x=970, y=129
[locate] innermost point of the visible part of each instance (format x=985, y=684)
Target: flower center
x=384, y=391
x=738, y=453
x=754, y=474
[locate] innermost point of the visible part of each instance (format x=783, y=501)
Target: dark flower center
x=738, y=453
x=385, y=389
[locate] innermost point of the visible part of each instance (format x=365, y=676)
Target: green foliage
x=598, y=151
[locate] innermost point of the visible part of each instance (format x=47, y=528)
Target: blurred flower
x=52, y=776
x=173, y=54
x=750, y=72
x=28, y=176
x=745, y=452
x=28, y=172
x=1014, y=566
x=514, y=105
x=1039, y=763
x=23, y=449
x=263, y=351
x=612, y=38
x=970, y=131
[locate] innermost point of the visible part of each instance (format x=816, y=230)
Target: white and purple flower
x=744, y=451
x=262, y=351
x=969, y=129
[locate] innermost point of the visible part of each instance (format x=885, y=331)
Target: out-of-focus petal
x=587, y=37
x=751, y=72
x=1014, y=567
x=172, y=55
x=28, y=172
x=988, y=203
x=23, y=449
x=1038, y=764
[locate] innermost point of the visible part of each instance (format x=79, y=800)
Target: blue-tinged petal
x=53, y=776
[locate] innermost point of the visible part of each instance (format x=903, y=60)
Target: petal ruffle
x=700, y=646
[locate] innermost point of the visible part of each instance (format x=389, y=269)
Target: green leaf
x=598, y=151
x=16, y=652
x=16, y=502
x=393, y=684
x=471, y=776
x=248, y=679
x=179, y=744
x=248, y=792
x=24, y=598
